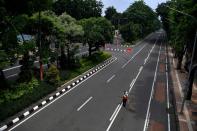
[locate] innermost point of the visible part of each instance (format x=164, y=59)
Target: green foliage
x=21, y=96
x=179, y=19
x=110, y=12
x=78, y=9
x=138, y=21
x=97, y=31
x=52, y=75
x=3, y=59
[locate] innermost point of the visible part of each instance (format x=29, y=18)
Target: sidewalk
x=187, y=120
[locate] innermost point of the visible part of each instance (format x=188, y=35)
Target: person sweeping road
x=125, y=98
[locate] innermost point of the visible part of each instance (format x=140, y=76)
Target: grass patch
x=22, y=95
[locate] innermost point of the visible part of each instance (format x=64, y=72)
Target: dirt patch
x=156, y=126
x=160, y=92
x=162, y=68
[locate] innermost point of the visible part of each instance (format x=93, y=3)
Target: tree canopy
x=79, y=9
x=137, y=21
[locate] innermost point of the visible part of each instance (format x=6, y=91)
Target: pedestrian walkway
x=188, y=119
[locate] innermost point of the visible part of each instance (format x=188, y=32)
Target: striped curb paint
x=118, y=50
x=57, y=94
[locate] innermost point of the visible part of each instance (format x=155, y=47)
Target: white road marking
x=134, y=80
x=51, y=98
x=115, y=115
x=150, y=53
x=63, y=90
x=114, y=112
x=26, y=113
x=57, y=94
x=12, y=68
x=35, y=108
x=84, y=103
x=131, y=86
x=152, y=91
x=133, y=57
x=110, y=78
x=15, y=120
x=3, y=128
x=12, y=75
x=167, y=91
x=56, y=99
x=44, y=102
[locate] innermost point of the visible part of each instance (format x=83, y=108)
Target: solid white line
x=131, y=85
x=57, y=99
x=133, y=57
x=114, y=112
x=84, y=103
x=167, y=90
x=152, y=91
x=150, y=53
x=110, y=78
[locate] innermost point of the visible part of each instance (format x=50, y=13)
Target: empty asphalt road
x=95, y=104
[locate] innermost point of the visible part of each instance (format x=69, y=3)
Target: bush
x=52, y=75
x=13, y=101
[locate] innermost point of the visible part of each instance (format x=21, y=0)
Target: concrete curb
x=58, y=93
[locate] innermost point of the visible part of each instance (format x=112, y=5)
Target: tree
x=140, y=20
x=71, y=33
x=29, y=7
x=97, y=31
x=78, y=8
x=179, y=19
x=110, y=12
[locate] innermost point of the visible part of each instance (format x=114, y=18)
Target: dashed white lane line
x=152, y=91
x=133, y=56
x=167, y=90
x=110, y=78
x=84, y=103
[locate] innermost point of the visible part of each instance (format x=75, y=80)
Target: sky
x=122, y=5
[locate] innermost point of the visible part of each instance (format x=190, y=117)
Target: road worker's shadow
x=131, y=104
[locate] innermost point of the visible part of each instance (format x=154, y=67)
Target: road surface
x=95, y=104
